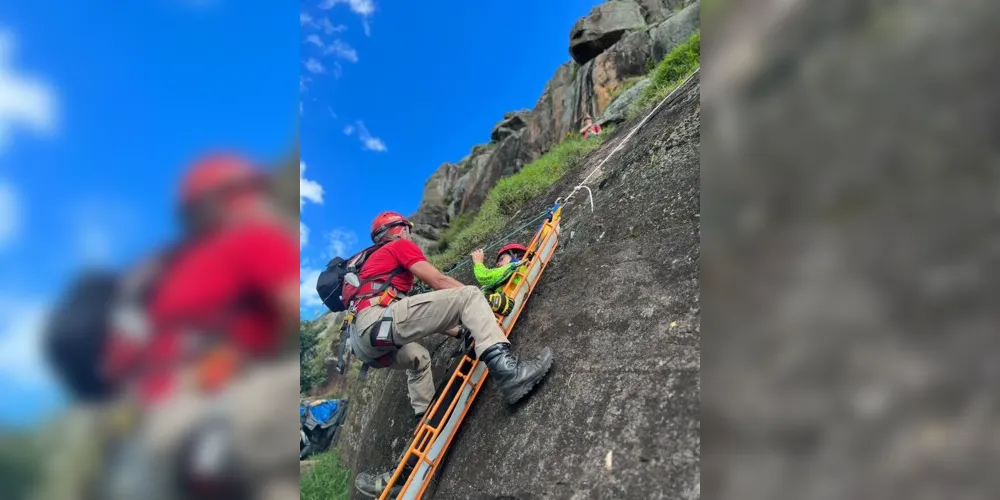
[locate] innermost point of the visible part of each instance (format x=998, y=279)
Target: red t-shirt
x=392, y=255
x=222, y=284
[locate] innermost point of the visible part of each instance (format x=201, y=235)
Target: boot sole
x=547, y=357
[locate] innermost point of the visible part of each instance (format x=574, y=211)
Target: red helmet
x=512, y=247
x=216, y=173
x=384, y=224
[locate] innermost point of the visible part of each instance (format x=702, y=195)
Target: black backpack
x=330, y=284
x=340, y=281
x=74, y=337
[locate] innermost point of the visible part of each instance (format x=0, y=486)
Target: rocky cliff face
x=625, y=383
x=617, y=40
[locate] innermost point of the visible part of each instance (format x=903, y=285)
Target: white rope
x=621, y=144
x=590, y=194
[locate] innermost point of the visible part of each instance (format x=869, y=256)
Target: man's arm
x=434, y=278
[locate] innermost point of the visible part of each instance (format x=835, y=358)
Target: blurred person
x=203, y=347
x=589, y=127
x=385, y=278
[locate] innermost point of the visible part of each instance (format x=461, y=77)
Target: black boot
x=373, y=486
x=516, y=377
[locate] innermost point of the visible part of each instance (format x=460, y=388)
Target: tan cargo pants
x=260, y=405
x=416, y=317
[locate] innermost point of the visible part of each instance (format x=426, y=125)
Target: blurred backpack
x=75, y=334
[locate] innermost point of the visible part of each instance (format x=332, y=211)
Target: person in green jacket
x=492, y=280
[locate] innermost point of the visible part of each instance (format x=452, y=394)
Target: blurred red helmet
x=387, y=224
x=512, y=247
x=214, y=174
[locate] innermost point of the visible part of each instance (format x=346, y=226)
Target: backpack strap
x=380, y=288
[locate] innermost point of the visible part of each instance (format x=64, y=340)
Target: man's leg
x=415, y=359
x=421, y=315
x=434, y=312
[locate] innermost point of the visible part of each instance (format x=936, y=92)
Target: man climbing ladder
x=408, y=319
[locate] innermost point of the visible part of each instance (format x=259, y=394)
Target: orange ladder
x=435, y=432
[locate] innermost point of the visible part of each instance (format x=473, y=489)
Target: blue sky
x=391, y=90
x=100, y=108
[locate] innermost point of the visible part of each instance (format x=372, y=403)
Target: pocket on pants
x=410, y=308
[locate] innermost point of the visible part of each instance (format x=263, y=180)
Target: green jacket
x=493, y=279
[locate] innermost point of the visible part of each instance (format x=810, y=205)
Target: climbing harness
x=440, y=423
x=382, y=294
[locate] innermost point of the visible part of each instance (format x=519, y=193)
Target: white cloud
x=308, y=189
x=330, y=28
x=363, y=8
x=314, y=66
x=95, y=243
x=349, y=129
x=369, y=141
x=314, y=39
x=303, y=80
x=24, y=101
x=100, y=226
x=342, y=50
x=341, y=241
x=337, y=70
x=323, y=23
x=10, y=214
x=21, y=354
x=308, y=297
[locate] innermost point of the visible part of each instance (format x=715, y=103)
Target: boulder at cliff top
x=512, y=123
x=603, y=27
x=626, y=59
x=675, y=30
x=655, y=11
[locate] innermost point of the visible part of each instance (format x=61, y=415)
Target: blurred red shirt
x=219, y=288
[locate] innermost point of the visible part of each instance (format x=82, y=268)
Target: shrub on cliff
x=669, y=73
x=511, y=194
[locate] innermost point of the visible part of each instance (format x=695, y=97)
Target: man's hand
x=477, y=256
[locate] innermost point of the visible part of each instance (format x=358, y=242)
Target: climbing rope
x=501, y=240
x=621, y=143
x=497, y=242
